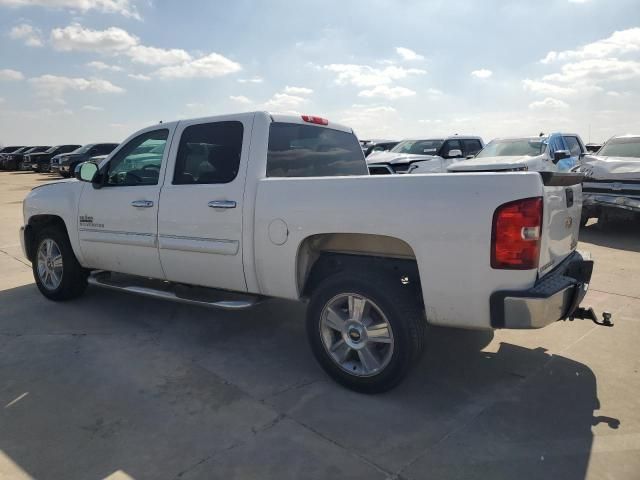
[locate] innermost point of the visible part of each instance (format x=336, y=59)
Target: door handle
x=222, y=204
x=142, y=203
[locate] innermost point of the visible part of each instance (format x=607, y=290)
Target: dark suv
x=65, y=163
x=41, y=162
x=13, y=161
x=7, y=151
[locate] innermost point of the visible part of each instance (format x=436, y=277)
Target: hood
x=491, y=163
x=610, y=168
x=396, y=158
x=56, y=182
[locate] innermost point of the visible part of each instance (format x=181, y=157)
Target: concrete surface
x=120, y=387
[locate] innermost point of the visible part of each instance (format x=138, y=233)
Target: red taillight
x=316, y=120
x=515, y=240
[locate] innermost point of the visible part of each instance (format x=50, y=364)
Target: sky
x=81, y=71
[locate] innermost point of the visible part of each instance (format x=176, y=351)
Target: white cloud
x=482, y=73
x=2, y=100
x=239, y=99
x=53, y=86
x=9, y=74
x=596, y=70
x=157, y=56
x=123, y=7
x=619, y=43
x=97, y=65
x=408, y=54
x=385, y=91
x=283, y=102
x=32, y=36
x=434, y=93
x=578, y=1
x=209, y=66
x=139, y=76
x=366, y=76
x=92, y=108
x=76, y=37
x=546, y=88
x=549, y=104
x=375, y=121
x=297, y=90
x=251, y=80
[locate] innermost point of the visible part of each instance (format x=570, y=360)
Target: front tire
x=366, y=331
x=56, y=270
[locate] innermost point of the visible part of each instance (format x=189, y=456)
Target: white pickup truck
x=226, y=211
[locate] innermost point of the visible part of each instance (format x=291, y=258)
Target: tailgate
x=561, y=218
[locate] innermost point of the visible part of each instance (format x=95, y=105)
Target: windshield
x=621, y=147
x=517, y=147
x=51, y=150
x=418, y=147
x=83, y=149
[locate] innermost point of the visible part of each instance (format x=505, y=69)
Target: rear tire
x=366, y=330
x=56, y=270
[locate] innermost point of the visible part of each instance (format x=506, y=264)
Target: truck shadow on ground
x=113, y=382
x=618, y=235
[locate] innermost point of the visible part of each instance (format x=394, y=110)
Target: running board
x=192, y=295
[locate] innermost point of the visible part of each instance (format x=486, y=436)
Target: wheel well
x=36, y=224
x=322, y=255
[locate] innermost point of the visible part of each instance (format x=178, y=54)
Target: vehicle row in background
x=611, y=189
x=65, y=163
x=435, y=154
x=370, y=146
x=558, y=152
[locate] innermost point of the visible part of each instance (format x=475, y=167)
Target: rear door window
x=209, y=153
x=307, y=151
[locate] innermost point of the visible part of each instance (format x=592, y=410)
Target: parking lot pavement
x=117, y=386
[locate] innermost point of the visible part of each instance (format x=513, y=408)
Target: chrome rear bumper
x=554, y=297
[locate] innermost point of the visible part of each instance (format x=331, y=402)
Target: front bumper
x=554, y=297
x=23, y=242
x=622, y=202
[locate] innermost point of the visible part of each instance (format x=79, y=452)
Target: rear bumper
x=554, y=297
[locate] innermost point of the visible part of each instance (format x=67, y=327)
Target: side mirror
x=560, y=155
x=455, y=153
x=86, y=171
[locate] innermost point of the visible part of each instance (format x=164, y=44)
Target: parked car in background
x=611, y=189
x=13, y=161
x=558, y=152
x=593, y=147
x=8, y=150
x=436, y=153
x=65, y=163
x=41, y=162
x=3, y=158
x=205, y=216
x=379, y=146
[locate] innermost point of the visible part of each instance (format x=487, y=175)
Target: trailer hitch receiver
x=581, y=313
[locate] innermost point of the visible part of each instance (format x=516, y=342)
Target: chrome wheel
x=50, y=266
x=356, y=334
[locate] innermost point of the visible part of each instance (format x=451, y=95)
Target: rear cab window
x=297, y=150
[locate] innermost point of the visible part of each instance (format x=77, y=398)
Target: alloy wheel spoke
x=334, y=320
x=48, y=247
x=379, y=333
x=340, y=350
x=57, y=261
x=370, y=362
x=356, y=308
